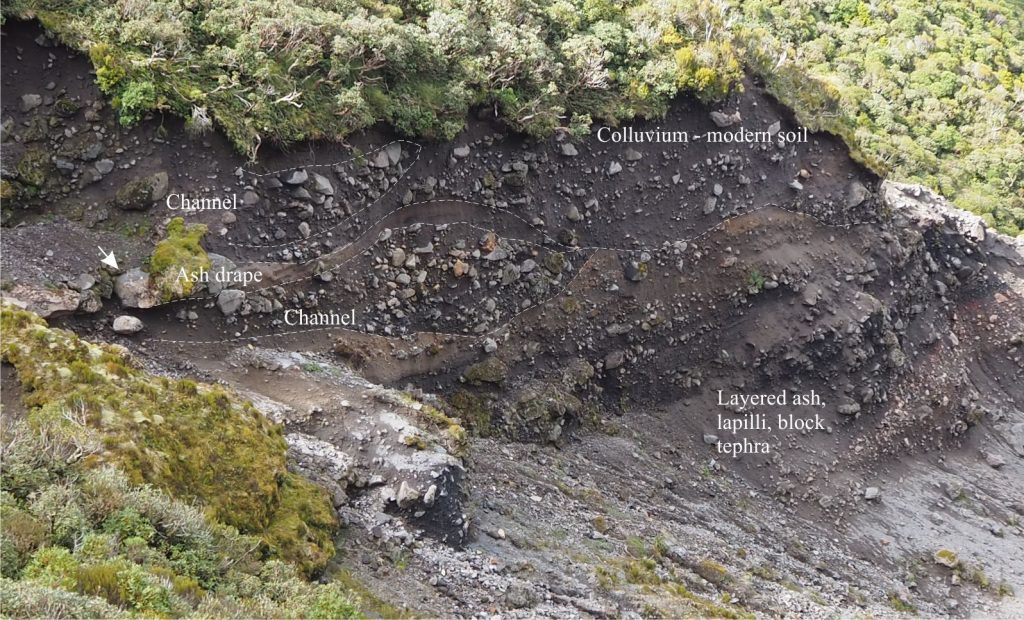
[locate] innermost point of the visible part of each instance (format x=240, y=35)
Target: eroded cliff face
x=533, y=413
x=922, y=434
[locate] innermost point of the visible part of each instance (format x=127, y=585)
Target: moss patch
x=179, y=254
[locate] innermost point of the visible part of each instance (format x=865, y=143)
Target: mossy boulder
x=490, y=370
x=140, y=194
x=34, y=167
x=195, y=441
x=555, y=262
x=473, y=410
x=179, y=254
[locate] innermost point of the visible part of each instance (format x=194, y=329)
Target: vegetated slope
x=930, y=91
x=297, y=69
x=82, y=542
x=194, y=441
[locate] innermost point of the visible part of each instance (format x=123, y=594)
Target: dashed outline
x=511, y=319
x=347, y=218
x=372, y=227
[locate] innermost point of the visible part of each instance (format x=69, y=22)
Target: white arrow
x=108, y=259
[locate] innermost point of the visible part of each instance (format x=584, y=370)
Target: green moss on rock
x=180, y=251
x=490, y=370
x=34, y=167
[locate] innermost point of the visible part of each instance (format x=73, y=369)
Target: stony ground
x=575, y=306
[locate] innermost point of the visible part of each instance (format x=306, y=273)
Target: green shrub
x=25, y=599
x=54, y=567
x=150, y=555
x=128, y=523
x=56, y=507
x=135, y=101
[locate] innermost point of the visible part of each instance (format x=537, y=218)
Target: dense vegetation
x=293, y=69
x=929, y=91
x=195, y=442
x=84, y=542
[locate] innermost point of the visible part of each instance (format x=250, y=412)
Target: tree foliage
x=287, y=70
x=931, y=92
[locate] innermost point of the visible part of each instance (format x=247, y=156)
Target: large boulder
x=140, y=194
x=43, y=300
x=229, y=301
x=135, y=289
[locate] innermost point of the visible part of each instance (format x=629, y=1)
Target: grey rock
x=496, y=255
x=614, y=359
x=614, y=168
x=635, y=271
x=393, y=152
x=397, y=257
x=430, y=495
x=490, y=345
x=304, y=230
x=995, y=461
x=126, y=325
x=91, y=302
x=710, y=204
x=296, y=177
x=83, y=282
x=569, y=149
x=797, y=185
x=856, y=194
x=160, y=185
x=811, y=294
x=30, y=102
x=322, y=185
x=44, y=301
x=848, y=407
x=92, y=151
x=134, y=289
x=573, y=214
x=104, y=166
x=140, y=193
x=218, y=264
x=722, y=119
x=717, y=189
x=632, y=154
x=250, y=198
x=406, y=495
x=872, y=493
x=461, y=152
x=710, y=439
x=380, y=160
x=229, y=301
